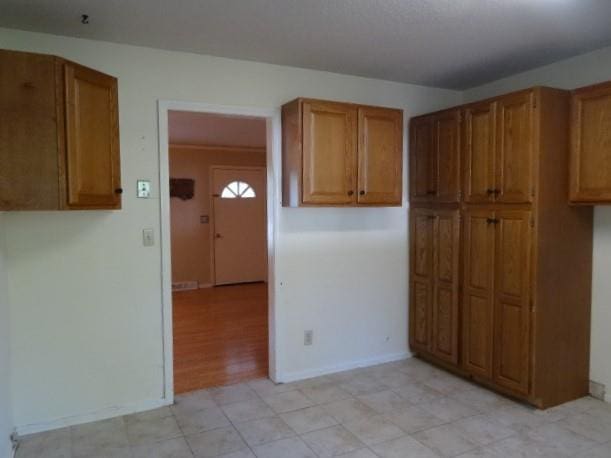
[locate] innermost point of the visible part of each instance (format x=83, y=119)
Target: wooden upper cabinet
x=341, y=154
x=446, y=153
x=590, y=163
x=329, y=153
x=435, y=157
x=421, y=271
x=515, y=148
x=92, y=143
x=421, y=171
x=446, y=236
x=512, y=300
x=479, y=152
x=478, y=292
x=59, y=145
x=380, y=156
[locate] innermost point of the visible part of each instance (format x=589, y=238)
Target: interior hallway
x=220, y=336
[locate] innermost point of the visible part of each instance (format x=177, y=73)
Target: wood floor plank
x=220, y=336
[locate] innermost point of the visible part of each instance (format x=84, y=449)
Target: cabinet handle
x=119, y=191
x=430, y=192
x=361, y=193
x=350, y=193
x=492, y=221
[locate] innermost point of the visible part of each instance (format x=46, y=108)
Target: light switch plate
x=148, y=237
x=144, y=189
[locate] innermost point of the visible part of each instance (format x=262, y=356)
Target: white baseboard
x=184, y=285
x=287, y=377
x=103, y=414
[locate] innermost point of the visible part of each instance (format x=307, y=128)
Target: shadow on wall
x=343, y=220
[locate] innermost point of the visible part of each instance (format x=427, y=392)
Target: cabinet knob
x=492, y=220
x=430, y=192
x=490, y=191
x=361, y=193
x=218, y=236
x=350, y=193
x=119, y=191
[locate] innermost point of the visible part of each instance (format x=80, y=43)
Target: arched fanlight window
x=238, y=189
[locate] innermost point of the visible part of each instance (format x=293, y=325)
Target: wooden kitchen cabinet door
x=380, y=156
x=512, y=300
x=421, y=236
x=446, y=237
x=92, y=142
x=446, y=153
x=329, y=153
x=478, y=294
x=590, y=164
x=421, y=165
x=515, y=148
x=479, y=152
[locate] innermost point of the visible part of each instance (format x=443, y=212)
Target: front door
x=239, y=218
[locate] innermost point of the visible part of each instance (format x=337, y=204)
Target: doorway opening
x=218, y=212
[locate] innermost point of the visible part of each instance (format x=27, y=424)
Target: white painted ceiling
x=445, y=43
x=189, y=128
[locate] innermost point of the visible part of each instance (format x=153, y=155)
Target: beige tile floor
x=406, y=409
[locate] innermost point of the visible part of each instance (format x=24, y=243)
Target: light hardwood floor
x=220, y=336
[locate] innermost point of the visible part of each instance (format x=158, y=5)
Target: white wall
x=85, y=295
x=6, y=421
x=579, y=71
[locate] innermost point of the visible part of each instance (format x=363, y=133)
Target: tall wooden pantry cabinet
x=500, y=264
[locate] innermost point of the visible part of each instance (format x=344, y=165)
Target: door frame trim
x=273, y=148
x=212, y=232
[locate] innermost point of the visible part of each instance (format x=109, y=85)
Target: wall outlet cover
x=308, y=337
x=144, y=189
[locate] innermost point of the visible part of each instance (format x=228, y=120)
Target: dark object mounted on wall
x=183, y=188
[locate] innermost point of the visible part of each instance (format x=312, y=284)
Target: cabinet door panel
x=591, y=144
x=380, y=156
x=512, y=300
x=446, y=233
x=515, y=148
x=92, y=139
x=329, y=153
x=421, y=271
x=478, y=293
x=422, y=181
x=446, y=144
x=479, y=148
x=28, y=132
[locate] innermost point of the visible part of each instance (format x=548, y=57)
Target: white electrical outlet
x=148, y=237
x=308, y=337
x=144, y=189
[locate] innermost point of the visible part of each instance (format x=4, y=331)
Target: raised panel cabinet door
x=28, y=132
x=92, y=139
x=421, y=272
x=380, y=156
x=421, y=168
x=446, y=147
x=591, y=144
x=478, y=292
x=329, y=153
x=479, y=152
x=446, y=236
x=515, y=148
x=512, y=300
